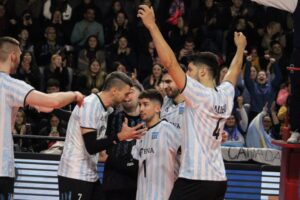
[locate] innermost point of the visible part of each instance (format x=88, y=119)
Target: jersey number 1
x=144, y=164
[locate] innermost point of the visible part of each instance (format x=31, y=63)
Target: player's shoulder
x=225, y=85
x=167, y=125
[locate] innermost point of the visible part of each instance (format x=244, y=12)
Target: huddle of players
x=200, y=116
x=195, y=110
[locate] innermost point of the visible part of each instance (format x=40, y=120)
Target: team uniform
x=156, y=152
x=202, y=172
x=77, y=170
x=173, y=113
x=13, y=95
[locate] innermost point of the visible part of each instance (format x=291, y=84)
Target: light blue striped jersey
x=172, y=112
x=75, y=161
x=13, y=93
x=206, y=110
x=156, y=152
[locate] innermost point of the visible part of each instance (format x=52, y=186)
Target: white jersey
x=13, y=94
x=172, y=112
x=156, y=152
x=75, y=161
x=206, y=110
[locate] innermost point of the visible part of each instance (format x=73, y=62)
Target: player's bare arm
x=165, y=53
x=45, y=102
x=236, y=64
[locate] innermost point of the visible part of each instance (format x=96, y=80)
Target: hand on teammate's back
x=240, y=40
x=79, y=98
x=146, y=13
x=135, y=132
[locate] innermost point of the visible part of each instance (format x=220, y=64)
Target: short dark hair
x=153, y=95
x=116, y=79
x=207, y=58
x=138, y=86
x=9, y=40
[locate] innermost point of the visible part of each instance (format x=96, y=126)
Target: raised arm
x=165, y=53
x=287, y=5
x=236, y=64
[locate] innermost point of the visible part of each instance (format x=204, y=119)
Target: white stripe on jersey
x=12, y=96
x=156, y=153
x=75, y=161
x=206, y=110
x=173, y=113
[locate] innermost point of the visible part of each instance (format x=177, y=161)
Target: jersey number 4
x=216, y=132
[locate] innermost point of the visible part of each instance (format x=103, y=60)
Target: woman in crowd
x=90, y=52
x=92, y=79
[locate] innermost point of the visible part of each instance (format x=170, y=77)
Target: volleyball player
x=14, y=94
x=202, y=172
x=156, y=151
x=78, y=177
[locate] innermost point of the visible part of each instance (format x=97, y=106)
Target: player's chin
x=143, y=116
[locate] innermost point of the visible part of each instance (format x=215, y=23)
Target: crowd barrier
x=36, y=177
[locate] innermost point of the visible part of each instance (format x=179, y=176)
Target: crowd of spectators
x=73, y=44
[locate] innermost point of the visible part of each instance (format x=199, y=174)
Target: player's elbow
x=168, y=62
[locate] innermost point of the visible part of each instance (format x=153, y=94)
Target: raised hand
x=135, y=132
x=240, y=40
x=146, y=13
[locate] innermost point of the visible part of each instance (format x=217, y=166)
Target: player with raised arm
x=202, y=172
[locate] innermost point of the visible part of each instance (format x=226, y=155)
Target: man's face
x=121, y=95
x=261, y=77
x=133, y=99
x=148, y=109
x=51, y=34
x=276, y=49
x=189, y=46
x=90, y=15
x=169, y=86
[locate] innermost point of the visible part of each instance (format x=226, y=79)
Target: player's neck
x=105, y=98
x=4, y=68
x=207, y=82
x=153, y=121
x=178, y=99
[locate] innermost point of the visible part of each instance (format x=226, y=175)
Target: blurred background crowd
x=74, y=44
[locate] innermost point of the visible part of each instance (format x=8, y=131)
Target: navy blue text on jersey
x=220, y=109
